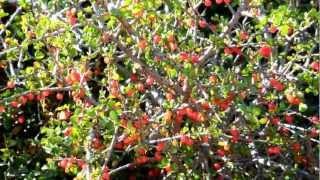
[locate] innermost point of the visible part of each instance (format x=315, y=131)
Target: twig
x=109, y=153
x=20, y=59
x=9, y=50
x=88, y=154
x=162, y=81
x=289, y=39
x=10, y=20
x=170, y=138
x=121, y=168
x=235, y=18
x=12, y=71
x=55, y=33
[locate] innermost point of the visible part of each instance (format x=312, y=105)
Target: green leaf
x=91, y=36
x=303, y=107
x=113, y=115
x=39, y=55
x=256, y=111
x=3, y=14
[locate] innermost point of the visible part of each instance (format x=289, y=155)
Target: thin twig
x=234, y=20
x=10, y=20
x=121, y=168
x=110, y=149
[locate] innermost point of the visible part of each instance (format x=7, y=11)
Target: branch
x=55, y=33
x=52, y=89
x=162, y=81
x=234, y=20
x=108, y=156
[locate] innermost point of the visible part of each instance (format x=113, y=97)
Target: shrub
x=150, y=89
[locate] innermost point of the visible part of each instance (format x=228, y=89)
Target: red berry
x=2, y=109
x=39, y=97
x=265, y=51
x=105, y=174
x=72, y=20
x=171, y=38
x=275, y=121
x=141, y=151
x=208, y=3
x=288, y=119
x=227, y=51
x=227, y=1
x=63, y=163
x=272, y=107
x=141, y=160
x=276, y=84
x=133, y=77
x=205, y=105
x=235, y=133
x=23, y=100
x=156, y=39
x=244, y=36
x=11, y=84
x=205, y=139
x=149, y=80
x=195, y=58
x=285, y=131
x=67, y=131
x=296, y=147
x=232, y=51
x=142, y=44
x=203, y=23
x=273, y=151
x=294, y=100
x=119, y=146
x=220, y=152
x=236, y=51
x=81, y=163
x=21, y=119
x=219, y=1
x=217, y=166
x=140, y=87
x=45, y=93
x=75, y=76
x=315, y=119
x=184, y=56
x=160, y=146
x=315, y=65
x=154, y=172
x=168, y=169
x=158, y=156
x=186, y=140
x=314, y=133
x=179, y=119
x=14, y=104
x=59, y=96
x=30, y=96
x=96, y=143
x=273, y=29
x=68, y=13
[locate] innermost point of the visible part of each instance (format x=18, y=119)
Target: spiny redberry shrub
x=159, y=89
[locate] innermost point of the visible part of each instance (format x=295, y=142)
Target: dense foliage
x=159, y=89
